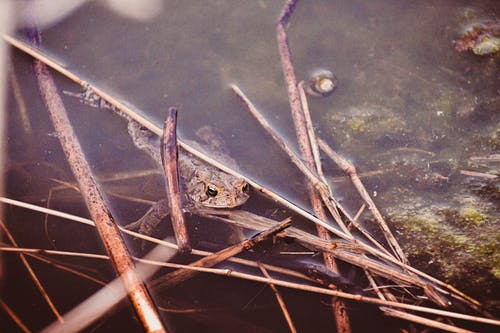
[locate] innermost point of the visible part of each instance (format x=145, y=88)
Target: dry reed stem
x=313, y=184
x=263, y=122
x=341, y=250
x=170, y=167
x=328, y=200
x=67, y=268
x=423, y=321
x=31, y=272
x=14, y=317
x=332, y=206
x=350, y=170
x=280, y=300
x=303, y=238
x=313, y=289
x=166, y=244
x=171, y=279
x=94, y=200
x=315, y=181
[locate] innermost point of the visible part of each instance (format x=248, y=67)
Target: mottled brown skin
x=203, y=184
x=210, y=187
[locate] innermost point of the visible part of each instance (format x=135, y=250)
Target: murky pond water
x=418, y=119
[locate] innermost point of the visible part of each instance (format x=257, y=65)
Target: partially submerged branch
x=96, y=205
x=169, y=162
x=176, y=277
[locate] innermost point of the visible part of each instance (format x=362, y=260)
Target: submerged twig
x=180, y=275
x=340, y=312
x=314, y=180
x=143, y=237
x=94, y=200
x=14, y=317
x=313, y=289
x=169, y=162
x=306, y=170
x=280, y=300
x=34, y=277
x=350, y=170
x=250, y=277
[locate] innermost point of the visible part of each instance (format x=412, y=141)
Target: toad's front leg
x=148, y=223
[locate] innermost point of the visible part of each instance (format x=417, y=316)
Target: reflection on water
x=419, y=120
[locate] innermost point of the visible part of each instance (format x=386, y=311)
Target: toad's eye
x=212, y=190
x=245, y=188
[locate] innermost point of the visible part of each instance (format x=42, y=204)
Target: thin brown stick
x=305, y=239
x=14, y=317
x=280, y=300
x=147, y=238
x=350, y=170
x=306, y=170
x=307, y=152
x=313, y=289
x=31, y=272
x=181, y=275
x=329, y=201
x=314, y=180
x=169, y=162
x=424, y=321
x=226, y=272
x=341, y=250
x=67, y=268
x=331, y=204
x=316, y=153
x=100, y=213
